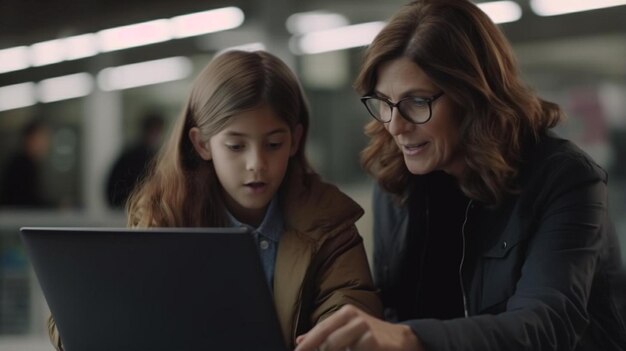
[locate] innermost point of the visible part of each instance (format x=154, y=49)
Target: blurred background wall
x=92, y=70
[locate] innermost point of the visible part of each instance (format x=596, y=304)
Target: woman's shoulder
x=555, y=157
x=557, y=166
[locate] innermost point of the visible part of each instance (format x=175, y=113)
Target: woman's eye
x=419, y=102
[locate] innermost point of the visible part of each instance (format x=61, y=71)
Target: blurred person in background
x=490, y=232
x=132, y=164
x=21, y=175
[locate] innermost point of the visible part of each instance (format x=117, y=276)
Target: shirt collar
x=272, y=225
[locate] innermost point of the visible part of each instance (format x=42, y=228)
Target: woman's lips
x=414, y=149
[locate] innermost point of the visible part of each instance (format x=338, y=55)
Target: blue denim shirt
x=266, y=236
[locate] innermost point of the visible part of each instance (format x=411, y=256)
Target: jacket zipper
x=469, y=204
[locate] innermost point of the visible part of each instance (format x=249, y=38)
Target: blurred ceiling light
x=17, y=95
x=207, y=22
x=559, y=7
x=65, y=87
x=306, y=22
x=501, y=11
x=245, y=47
x=80, y=46
x=14, y=59
x=47, y=52
x=336, y=39
x=134, y=35
x=59, y=50
x=90, y=44
x=144, y=73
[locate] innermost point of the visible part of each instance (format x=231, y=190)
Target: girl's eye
x=275, y=145
x=234, y=147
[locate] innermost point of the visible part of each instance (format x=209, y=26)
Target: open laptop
x=155, y=289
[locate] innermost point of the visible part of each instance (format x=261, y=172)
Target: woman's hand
x=354, y=330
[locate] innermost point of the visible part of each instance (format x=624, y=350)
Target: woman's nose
x=398, y=125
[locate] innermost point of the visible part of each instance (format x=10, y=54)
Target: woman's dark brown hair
x=466, y=55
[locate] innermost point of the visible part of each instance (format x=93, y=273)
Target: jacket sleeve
x=53, y=333
x=343, y=277
x=548, y=308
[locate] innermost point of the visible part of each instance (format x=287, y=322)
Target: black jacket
x=540, y=272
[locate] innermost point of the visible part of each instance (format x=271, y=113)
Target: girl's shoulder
x=311, y=204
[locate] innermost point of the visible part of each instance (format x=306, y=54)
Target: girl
x=236, y=157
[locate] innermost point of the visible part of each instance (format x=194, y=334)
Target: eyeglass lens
x=415, y=110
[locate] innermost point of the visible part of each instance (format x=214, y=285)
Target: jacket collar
x=315, y=208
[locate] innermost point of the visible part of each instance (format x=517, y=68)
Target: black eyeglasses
x=413, y=109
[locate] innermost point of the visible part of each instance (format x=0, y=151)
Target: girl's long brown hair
x=182, y=189
x=465, y=54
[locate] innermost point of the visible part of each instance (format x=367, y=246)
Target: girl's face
x=434, y=145
x=250, y=156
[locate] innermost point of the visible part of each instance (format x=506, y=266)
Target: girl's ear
x=295, y=139
x=202, y=148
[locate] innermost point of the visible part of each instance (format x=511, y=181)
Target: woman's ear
x=202, y=148
x=296, y=137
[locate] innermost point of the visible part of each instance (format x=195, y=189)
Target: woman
x=491, y=233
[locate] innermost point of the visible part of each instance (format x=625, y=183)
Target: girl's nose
x=256, y=161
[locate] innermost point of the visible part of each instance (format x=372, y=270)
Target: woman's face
x=428, y=147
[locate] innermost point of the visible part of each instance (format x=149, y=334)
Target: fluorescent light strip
x=337, y=38
x=501, y=11
x=144, y=73
x=59, y=50
x=134, y=35
x=560, y=7
x=17, y=95
x=118, y=38
x=307, y=22
x=81, y=46
x=206, y=22
x=47, y=52
x=256, y=46
x=14, y=59
x=65, y=87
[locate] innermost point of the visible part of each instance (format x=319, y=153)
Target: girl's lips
x=414, y=149
x=256, y=187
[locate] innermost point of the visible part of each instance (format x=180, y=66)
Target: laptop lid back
x=155, y=289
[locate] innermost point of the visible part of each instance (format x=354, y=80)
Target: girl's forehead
x=262, y=120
